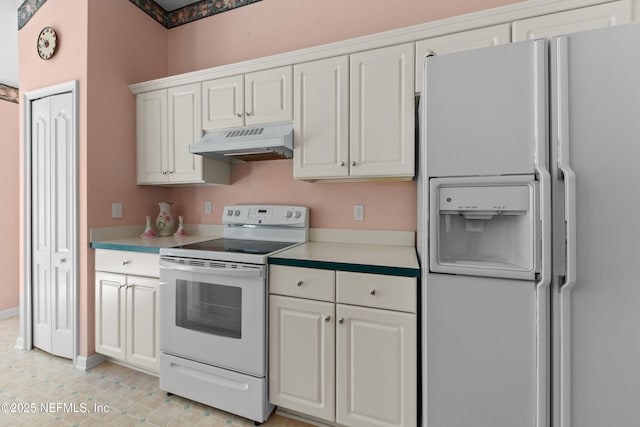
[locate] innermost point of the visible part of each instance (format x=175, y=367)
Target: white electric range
x=213, y=302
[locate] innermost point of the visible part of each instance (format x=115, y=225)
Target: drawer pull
x=327, y=319
x=126, y=262
x=299, y=283
x=372, y=292
x=341, y=321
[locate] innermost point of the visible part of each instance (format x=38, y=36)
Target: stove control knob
x=298, y=214
x=237, y=212
x=229, y=212
x=288, y=214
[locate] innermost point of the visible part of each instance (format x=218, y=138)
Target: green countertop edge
x=131, y=248
x=356, y=268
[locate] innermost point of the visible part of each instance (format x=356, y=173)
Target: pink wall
x=275, y=26
x=109, y=44
x=388, y=205
x=9, y=213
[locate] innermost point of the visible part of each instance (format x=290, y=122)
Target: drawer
x=126, y=262
x=310, y=283
x=377, y=290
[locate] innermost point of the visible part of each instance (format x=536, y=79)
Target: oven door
x=214, y=312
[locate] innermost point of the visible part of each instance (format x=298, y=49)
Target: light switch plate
x=207, y=208
x=358, y=213
x=116, y=210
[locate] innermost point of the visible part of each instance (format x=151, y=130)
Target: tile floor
x=58, y=394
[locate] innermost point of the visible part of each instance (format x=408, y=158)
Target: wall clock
x=47, y=41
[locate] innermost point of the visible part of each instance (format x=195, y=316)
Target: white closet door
x=52, y=224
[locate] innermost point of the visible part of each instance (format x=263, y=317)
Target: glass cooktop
x=258, y=247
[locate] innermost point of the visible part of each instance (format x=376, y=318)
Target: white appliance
x=528, y=233
x=213, y=305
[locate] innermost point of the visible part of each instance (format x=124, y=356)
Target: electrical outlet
x=116, y=210
x=207, y=208
x=358, y=213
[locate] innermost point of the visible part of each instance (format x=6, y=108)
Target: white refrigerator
x=529, y=233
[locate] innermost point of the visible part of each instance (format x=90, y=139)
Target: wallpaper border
x=9, y=93
x=175, y=18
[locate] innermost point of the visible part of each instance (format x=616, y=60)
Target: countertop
x=364, y=258
x=152, y=245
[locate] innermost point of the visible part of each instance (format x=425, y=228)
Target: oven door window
x=209, y=308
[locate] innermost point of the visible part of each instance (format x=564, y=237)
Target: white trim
x=89, y=362
x=469, y=21
x=9, y=312
x=25, y=341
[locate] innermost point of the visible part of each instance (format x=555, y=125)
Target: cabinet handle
x=63, y=260
x=238, y=115
x=248, y=114
x=124, y=285
x=353, y=163
x=299, y=283
x=327, y=319
x=126, y=262
x=372, y=292
x=341, y=164
x=341, y=320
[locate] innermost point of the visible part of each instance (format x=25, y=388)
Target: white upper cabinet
x=571, y=21
x=382, y=113
x=167, y=122
x=251, y=99
x=354, y=116
x=457, y=42
x=321, y=119
x=151, y=113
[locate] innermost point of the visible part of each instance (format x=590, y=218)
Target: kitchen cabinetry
x=571, y=21
x=374, y=137
x=168, y=121
x=126, y=306
x=324, y=328
x=456, y=42
x=251, y=99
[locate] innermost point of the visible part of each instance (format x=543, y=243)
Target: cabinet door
x=110, y=314
x=464, y=40
x=185, y=127
x=268, y=96
x=382, y=137
x=142, y=322
x=301, y=356
x=321, y=119
x=151, y=130
x=571, y=21
x=376, y=367
x=223, y=103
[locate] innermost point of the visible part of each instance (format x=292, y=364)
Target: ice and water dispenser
x=484, y=226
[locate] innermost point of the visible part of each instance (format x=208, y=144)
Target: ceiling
x=9, y=36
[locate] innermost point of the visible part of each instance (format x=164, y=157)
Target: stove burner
x=258, y=247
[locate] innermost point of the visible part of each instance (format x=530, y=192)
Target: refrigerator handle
x=542, y=287
x=562, y=107
x=568, y=174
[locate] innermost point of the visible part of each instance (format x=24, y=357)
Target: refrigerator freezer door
x=484, y=121
x=596, y=134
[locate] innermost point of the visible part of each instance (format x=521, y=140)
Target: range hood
x=265, y=142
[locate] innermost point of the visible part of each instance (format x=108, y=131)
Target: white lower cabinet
x=343, y=361
x=127, y=314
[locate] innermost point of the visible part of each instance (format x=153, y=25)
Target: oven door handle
x=223, y=269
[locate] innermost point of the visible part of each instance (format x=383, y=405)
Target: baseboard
x=20, y=343
x=10, y=312
x=86, y=363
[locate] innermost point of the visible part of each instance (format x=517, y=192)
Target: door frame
x=25, y=340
